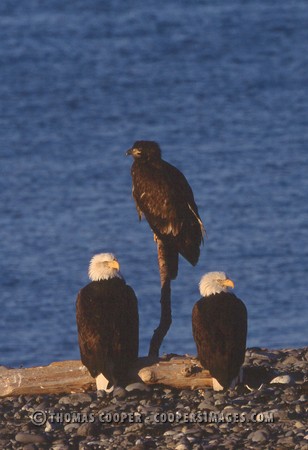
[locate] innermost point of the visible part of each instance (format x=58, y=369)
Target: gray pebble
x=260, y=356
x=206, y=405
x=190, y=430
x=41, y=406
x=50, y=426
x=135, y=428
x=208, y=393
x=101, y=394
x=282, y=379
x=119, y=392
x=60, y=446
x=27, y=438
x=169, y=433
x=93, y=442
x=86, y=429
x=71, y=427
x=286, y=441
x=182, y=447
x=75, y=399
x=117, y=433
x=290, y=360
x=299, y=424
x=258, y=436
x=167, y=391
x=300, y=409
x=137, y=387
x=29, y=447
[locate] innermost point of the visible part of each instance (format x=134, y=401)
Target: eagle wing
x=201, y=334
x=131, y=328
x=163, y=195
x=93, y=334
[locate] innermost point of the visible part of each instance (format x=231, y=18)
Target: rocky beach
x=268, y=411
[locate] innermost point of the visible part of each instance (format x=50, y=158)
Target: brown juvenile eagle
x=163, y=195
x=107, y=322
x=219, y=322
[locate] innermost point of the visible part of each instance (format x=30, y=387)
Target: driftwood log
x=181, y=372
x=165, y=301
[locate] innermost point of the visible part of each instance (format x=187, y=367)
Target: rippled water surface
x=222, y=86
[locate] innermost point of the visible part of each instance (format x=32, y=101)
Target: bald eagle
x=107, y=323
x=163, y=195
x=219, y=323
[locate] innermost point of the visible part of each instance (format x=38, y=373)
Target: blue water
x=222, y=86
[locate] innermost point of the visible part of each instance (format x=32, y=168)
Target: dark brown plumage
x=219, y=323
x=108, y=329
x=163, y=195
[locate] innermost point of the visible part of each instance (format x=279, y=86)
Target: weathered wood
x=57, y=377
x=165, y=302
x=71, y=376
x=179, y=372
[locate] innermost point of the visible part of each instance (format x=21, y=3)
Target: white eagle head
x=103, y=267
x=214, y=283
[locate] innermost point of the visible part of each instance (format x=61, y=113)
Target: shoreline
x=270, y=414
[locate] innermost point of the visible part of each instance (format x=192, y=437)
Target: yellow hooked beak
x=133, y=152
x=114, y=264
x=228, y=283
